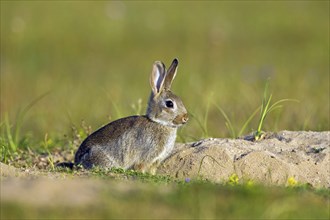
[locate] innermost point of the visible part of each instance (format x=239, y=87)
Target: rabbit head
x=165, y=107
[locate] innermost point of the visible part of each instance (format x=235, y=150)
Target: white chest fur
x=168, y=147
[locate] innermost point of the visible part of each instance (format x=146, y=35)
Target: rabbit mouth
x=180, y=119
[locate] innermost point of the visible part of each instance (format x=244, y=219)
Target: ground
x=285, y=158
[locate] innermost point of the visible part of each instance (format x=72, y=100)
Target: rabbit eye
x=169, y=104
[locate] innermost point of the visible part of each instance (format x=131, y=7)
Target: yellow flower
x=233, y=179
x=292, y=181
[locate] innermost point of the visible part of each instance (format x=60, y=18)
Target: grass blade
x=21, y=115
x=11, y=142
x=204, y=130
x=229, y=125
x=281, y=101
x=248, y=121
x=264, y=111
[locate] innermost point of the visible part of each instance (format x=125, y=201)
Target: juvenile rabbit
x=139, y=142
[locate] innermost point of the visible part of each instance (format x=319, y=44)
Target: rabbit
x=139, y=142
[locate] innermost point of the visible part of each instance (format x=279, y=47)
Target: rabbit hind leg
x=98, y=157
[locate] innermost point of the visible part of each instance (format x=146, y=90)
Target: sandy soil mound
x=303, y=155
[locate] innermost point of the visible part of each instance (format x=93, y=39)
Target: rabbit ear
x=171, y=74
x=157, y=77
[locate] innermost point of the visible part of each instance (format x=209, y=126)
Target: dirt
x=303, y=156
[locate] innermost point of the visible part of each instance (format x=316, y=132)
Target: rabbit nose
x=185, y=118
x=181, y=119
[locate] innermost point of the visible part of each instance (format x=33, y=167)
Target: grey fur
x=139, y=142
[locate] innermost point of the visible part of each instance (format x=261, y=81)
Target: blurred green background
x=96, y=57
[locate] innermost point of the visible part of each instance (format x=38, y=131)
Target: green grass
x=266, y=108
x=98, y=66
x=193, y=200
